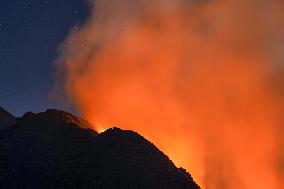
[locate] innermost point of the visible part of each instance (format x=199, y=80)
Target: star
x=75, y=27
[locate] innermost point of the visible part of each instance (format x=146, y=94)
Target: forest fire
x=196, y=78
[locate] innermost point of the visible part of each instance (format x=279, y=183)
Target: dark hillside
x=54, y=149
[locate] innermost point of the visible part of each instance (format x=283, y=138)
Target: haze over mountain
x=55, y=149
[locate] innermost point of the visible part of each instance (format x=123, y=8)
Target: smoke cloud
x=201, y=79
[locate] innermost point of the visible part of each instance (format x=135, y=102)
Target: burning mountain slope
x=52, y=150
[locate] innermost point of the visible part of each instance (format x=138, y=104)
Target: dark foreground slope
x=6, y=119
x=54, y=149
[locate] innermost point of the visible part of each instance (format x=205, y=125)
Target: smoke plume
x=201, y=79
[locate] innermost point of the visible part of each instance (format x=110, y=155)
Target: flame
x=200, y=79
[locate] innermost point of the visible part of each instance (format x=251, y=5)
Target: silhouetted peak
x=115, y=131
x=127, y=136
x=131, y=143
x=56, y=117
x=127, y=150
x=52, y=149
x=65, y=117
x=6, y=119
x=29, y=115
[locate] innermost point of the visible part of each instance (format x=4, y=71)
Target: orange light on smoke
x=194, y=78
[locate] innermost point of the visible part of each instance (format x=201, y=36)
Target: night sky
x=31, y=32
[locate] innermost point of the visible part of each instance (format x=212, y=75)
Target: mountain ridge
x=6, y=119
x=55, y=149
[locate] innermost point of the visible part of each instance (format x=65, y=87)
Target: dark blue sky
x=30, y=33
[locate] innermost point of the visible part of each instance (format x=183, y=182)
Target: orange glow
x=99, y=127
x=195, y=78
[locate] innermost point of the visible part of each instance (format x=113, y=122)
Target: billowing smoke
x=201, y=79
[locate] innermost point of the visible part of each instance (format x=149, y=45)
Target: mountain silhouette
x=55, y=149
x=6, y=119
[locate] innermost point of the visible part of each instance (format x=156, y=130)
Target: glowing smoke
x=201, y=79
